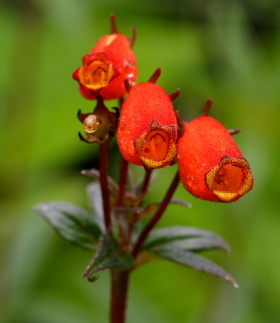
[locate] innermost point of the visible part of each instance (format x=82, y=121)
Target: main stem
x=119, y=290
x=103, y=168
x=158, y=214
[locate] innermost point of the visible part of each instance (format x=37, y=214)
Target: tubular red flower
x=147, y=132
x=210, y=164
x=104, y=70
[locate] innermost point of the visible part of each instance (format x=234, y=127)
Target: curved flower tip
x=147, y=132
x=157, y=147
x=210, y=164
x=104, y=70
x=230, y=179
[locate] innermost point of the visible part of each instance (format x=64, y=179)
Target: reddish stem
x=124, y=236
x=103, y=168
x=157, y=216
x=123, y=179
x=119, y=291
x=146, y=182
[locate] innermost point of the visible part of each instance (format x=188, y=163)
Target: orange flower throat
x=155, y=145
x=230, y=179
x=97, y=74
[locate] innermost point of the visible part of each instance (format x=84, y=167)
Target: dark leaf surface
x=108, y=257
x=194, y=261
x=71, y=222
x=185, y=237
x=199, y=244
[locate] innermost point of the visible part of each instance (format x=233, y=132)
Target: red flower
x=104, y=70
x=210, y=164
x=147, y=132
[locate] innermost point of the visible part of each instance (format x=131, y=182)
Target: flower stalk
x=103, y=166
x=146, y=182
x=167, y=198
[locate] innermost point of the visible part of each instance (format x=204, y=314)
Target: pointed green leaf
x=194, y=261
x=199, y=244
x=164, y=236
x=71, y=222
x=108, y=257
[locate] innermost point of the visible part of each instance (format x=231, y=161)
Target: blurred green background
x=226, y=50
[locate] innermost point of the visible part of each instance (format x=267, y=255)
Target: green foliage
x=192, y=260
x=71, y=222
x=108, y=257
x=179, y=243
x=80, y=228
x=185, y=238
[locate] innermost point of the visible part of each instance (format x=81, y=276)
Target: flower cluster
x=152, y=135
x=149, y=132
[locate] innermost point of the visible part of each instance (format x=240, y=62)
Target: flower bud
x=104, y=70
x=101, y=125
x=91, y=123
x=210, y=164
x=147, y=133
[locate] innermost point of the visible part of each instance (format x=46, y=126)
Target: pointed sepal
x=108, y=257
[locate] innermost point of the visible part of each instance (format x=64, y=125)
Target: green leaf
x=194, y=261
x=199, y=244
x=108, y=257
x=180, y=236
x=95, y=200
x=72, y=223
